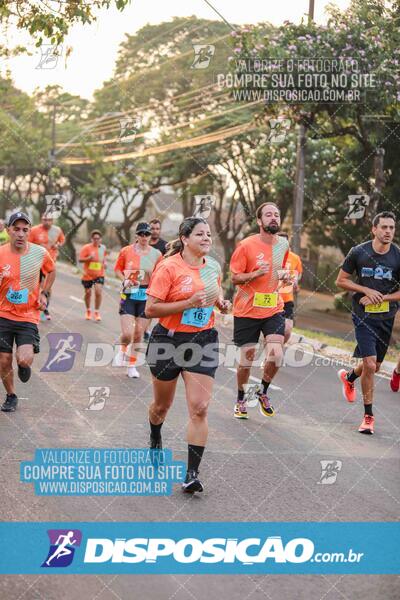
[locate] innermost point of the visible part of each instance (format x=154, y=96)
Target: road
x=256, y=470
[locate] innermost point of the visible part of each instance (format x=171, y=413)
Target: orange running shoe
x=88, y=315
x=97, y=316
x=395, y=381
x=349, y=391
x=367, y=426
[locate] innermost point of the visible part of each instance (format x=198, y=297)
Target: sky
x=95, y=47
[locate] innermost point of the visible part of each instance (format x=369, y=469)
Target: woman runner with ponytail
x=183, y=291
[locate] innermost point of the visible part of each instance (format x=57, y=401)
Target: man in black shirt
x=155, y=240
x=161, y=245
x=375, y=303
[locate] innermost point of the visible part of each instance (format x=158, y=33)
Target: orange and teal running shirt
x=19, y=282
x=94, y=268
x=258, y=298
x=47, y=238
x=175, y=280
x=294, y=264
x=132, y=264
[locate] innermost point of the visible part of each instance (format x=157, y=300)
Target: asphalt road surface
x=262, y=469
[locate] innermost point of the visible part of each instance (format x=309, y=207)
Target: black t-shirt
x=379, y=272
x=160, y=245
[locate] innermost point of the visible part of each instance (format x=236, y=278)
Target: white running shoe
x=133, y=372
x=119, y=359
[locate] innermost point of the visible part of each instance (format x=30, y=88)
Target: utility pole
x=298, y=194
x=52, y=152
x=379, y=177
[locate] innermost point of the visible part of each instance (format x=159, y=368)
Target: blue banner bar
x=199, y=548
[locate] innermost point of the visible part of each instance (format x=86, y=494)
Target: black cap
x=143, y=227
x=17, y=216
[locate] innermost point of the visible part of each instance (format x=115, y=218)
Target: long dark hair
x=185, y=229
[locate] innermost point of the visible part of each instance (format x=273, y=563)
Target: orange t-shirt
x=47, y=238
x=20, y=273
x=133, y=264
x=294, y=264
x=175, y=280
x=94, y=268
x=246, y=258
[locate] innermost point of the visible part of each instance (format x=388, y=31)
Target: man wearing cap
x=49, y=236
x=134, y=266
x=21, y=300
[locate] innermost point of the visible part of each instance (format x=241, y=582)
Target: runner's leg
x=367, y=379
x=198, y=394
x=163, y=397
x=273, y=345
x=87, y=297
x=288, y=329
x=126, y=322
x=247, y=354
x=6, y=371
x=98, y=296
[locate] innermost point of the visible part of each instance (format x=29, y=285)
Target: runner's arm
x=60, y=240
x=156, y=308
x=48, y=282
x=394, y=297
x=240, y=278
x=343, y=281
x=84, y=257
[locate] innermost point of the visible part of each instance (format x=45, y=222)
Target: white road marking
x=77, y=299
x=257, y=380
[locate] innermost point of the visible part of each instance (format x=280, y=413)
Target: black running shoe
x=155, y=443
x=192, y=483
x=10, y=405
x=24, y=373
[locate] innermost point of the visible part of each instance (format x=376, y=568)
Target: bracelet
x=45, y=293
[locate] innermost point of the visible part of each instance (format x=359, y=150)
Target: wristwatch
x=45, y=293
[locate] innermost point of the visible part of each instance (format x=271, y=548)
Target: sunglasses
x=144, y=234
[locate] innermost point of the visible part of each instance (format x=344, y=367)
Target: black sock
x=368, y=409
x=195, y=454
x=265, y=385
x=155, y=430
x=240, y=395
x=351, y=376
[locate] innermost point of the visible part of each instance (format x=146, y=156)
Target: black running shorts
x=247, y=330
x=134, y=308
x=168, y=353
x=20, y=332
x=373, y=336
x=88, y=283
x=288, y=309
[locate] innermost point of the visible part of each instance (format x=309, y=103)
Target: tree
x=369, y=32
x=51, y=21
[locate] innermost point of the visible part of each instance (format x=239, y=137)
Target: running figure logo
x=63, y=347
x=129, y=128
x=203, y=206
x=278, y=129
x=251, y=391
x=203, y=54
x=49, y=56
x=62, y=547
x=54, y=205
x=357, y=206
x=329, y=471
x=97, y=397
